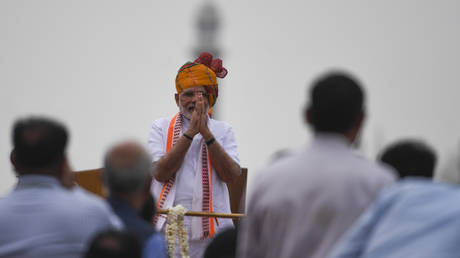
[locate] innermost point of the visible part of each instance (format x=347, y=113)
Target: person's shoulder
x=81, y=194
x=89, y=201
x=220, y=128
x=411, y=189
x=418, y=184
x=94, y=207
x=164, y=121
x=373, y=168
x=7, y=197
x=290, y=162
x=6, y=200
x=220, y=124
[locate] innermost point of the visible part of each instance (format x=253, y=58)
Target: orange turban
x=202, y=72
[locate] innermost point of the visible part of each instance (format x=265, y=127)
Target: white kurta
x=223, y=133
x=301, y=204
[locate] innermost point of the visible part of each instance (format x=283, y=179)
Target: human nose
x=194, y=98
x=197, y=96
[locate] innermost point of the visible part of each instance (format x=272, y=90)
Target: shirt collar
x=37, y=181
x=331, y=139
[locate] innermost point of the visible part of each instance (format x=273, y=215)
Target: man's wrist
x=191, y=133
x=207, y=136
x=210, y=141
x=188, y=136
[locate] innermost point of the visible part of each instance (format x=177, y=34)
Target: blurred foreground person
x=302, y=203
x=114, y=244
x=223, y=245
x=41, y=217
x=414, y=218
x=127, y=174
x=410, y=158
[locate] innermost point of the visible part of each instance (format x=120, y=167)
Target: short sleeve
x=156, y=141
x=229, y=145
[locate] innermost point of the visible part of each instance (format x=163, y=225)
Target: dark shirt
x=132, y=220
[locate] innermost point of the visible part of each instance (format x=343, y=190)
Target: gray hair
x=126, y=172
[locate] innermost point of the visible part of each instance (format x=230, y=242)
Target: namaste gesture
x=199, y=120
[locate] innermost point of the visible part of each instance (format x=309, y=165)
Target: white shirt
x=40, y=218
x=301, y=204
x=223, y=133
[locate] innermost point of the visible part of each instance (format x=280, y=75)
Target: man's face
x=186, y=100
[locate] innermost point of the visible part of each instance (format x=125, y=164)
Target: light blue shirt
x=414, y=218
x=40, y=218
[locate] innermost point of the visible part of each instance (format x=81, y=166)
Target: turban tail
x=202, y=72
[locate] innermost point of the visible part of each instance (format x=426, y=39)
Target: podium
x=91, y=180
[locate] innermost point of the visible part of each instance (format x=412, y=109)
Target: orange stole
x=169, y=144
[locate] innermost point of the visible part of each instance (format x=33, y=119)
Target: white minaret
x=207, y=24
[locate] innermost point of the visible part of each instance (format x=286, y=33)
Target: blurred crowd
x=324, y=200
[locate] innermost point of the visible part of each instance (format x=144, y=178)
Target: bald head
x=127, y=168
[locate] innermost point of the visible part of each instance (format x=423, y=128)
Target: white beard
x=185, y=112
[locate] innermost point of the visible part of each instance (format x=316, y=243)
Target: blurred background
x=106, y=69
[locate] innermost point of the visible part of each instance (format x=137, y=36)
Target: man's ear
x=360, y=121
x=307, y=115
x=148, y=185
x=176, y=97
x=354, y=132
x=14, y=161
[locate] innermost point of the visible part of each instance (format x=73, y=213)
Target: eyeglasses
x=191, y=94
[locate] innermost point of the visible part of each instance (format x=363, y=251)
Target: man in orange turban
x=195, y=155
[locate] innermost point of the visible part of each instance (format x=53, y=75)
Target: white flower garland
x=175, y=227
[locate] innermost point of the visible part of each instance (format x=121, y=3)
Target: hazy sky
x=107, y=68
